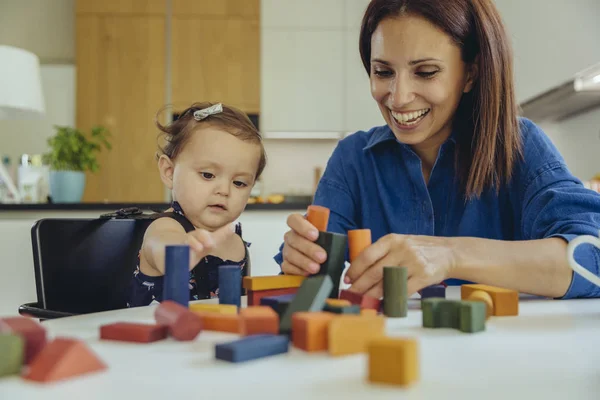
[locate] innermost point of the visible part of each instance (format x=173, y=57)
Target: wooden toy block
x=230, y=285
x=505, y=301
x=449, y=315
x=258, y=320
x=216, y=308
x=219, y=322
x=395, y=292
x=337, y=303
x=132, y=332
x=350, y=334
x=310, y=330
x=351, y=309
x=12, y=351
x=429, y=309
x=334, y=245
x=32, y=332
x=485, y=298
x=393, y=361
x=177, y=274
x=358, y=240
x=256, y=283
x=318, y=216
x=438, y=291
x=472, y=315
x=368, y=312
x=363, y=300
x=252, y=347
x=183, y=324
x=278, y=303
x=254, y=297
x=63, y=359
x=311, y=296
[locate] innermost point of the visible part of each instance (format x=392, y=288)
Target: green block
x=12, y=354
x=472, y=316
x=429, y=308
x=311, y=296
x=335, y=245
x=353, y=309
x=395, y=292
x=449, y=314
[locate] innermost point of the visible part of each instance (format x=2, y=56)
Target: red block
x=363, y=300
x=183, y=324
x=32, y=332
x=130, y=332
x=62, y=359
x=254, y=296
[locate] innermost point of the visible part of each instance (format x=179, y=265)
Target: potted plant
x=72, y=153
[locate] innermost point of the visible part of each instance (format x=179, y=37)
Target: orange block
x=338, y=303
x=220, y=322
x=505, y=301
x=393, y=361
x=257, y=283
x=216, y=308
x=350, y=334
x=310, y=330
x=318, y=216
x=368, y=312
x=62, y=359
x=358, y=240
x=258, y=320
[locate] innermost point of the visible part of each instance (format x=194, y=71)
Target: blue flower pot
x=67, y=186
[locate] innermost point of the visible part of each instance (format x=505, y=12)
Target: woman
x=455, y=187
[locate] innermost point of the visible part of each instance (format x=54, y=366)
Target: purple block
x=433, y=291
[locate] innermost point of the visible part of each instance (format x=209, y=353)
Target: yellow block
x=393, y=361
x=256, y=283
x=338, y=303
x=215, y=308
x=350, y=334
x=368, y=311
x=506, y=301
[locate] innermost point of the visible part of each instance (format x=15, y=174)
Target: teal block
x=429, y=308
x=12, y=354
x=472, y=316
x=353, y=309
x=449, y=315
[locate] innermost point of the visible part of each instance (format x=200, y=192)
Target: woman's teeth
x=410, y=118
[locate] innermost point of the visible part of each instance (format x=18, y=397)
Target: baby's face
x=213, y=176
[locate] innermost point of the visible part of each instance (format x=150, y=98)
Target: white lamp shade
x=20, y=84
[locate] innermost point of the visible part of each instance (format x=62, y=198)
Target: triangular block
x=62, y=359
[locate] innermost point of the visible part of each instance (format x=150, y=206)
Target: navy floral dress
x=204, y=277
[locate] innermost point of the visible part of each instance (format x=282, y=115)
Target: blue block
x=230, y=284
x=177, y=274
x=278, y=303
x=433, y=291
x=252, y=347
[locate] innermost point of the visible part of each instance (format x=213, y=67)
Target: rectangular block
x=132, y=332
x=506, y=301
x=337, y=303
x=278, y=303
x=310, y=330
x=472, y=316
x=230, y=285
x=449, y=315
x=364, y=301
x=350, y=334
x=32, y=332
x=220, y=322
x=258, y=320
x=215, y=308
x=335, y=245
x=429, y=309
x=12, y=354
x=252, y=347
x=393, y=361
x=311, y=296
x=177, y=274
x=367, y=311
x=438, y=291
x=254, y=297
x=351, y=309
x=272, y=282
x=395, y=292
x=183, y=324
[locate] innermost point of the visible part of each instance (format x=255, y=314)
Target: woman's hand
x=429, y=261
x=301, y=256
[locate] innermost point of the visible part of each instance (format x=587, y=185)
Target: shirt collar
x=384, y=134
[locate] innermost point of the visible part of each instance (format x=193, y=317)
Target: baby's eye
x=240, y=184
x=207, y=175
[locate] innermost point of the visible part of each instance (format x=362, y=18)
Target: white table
x=550, y=351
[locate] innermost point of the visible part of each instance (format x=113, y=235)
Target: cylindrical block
x=318, y=216
x=335, y=247
x=230, y=284
x=177, y=274
x=480, y=295
x=395, y=291
x=358, y=240
x=183, y=324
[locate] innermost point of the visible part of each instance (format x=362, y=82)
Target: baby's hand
x=201, y=241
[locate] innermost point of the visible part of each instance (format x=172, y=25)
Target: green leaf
x=72, y=149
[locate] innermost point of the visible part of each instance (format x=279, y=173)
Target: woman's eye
x=207, y=175
x=382, y=73
x=427, y=74
x=240, y=184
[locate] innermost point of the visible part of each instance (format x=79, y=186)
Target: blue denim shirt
x=374, y=181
